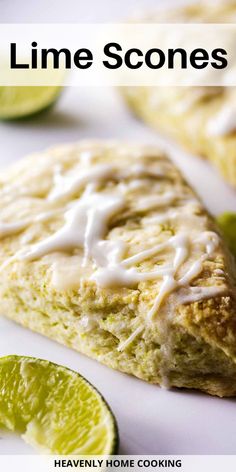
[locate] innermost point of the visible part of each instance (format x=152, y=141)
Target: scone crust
x=186, y=113
x=201, y=334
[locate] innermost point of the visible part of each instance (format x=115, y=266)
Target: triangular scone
x=105, y=248
x=203, y=119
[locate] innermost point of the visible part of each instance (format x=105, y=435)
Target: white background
x=151, y=420
x=76, y=11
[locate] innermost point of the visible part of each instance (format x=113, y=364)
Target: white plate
x=151, y=420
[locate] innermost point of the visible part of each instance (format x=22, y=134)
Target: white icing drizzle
x=8, y=229
x=170, y=283
x=196, y=294
x=86, y=157
x=87, y=223
x=85, y=226
x=219, y=272
x=224, y=122
x=124, y=344
x=174, y=214
x=71, y=183
x=117, y=276
x=155, y=201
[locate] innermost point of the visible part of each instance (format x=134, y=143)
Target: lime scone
x=105, y=248
x=203, y=119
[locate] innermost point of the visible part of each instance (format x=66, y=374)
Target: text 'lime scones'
x=105, y=248
x=203, y=119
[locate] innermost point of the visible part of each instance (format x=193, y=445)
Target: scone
x=203, y=119
x=105, y=248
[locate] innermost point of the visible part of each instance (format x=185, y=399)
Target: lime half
x=54, y=408
x=227, y=223
x=20, y=102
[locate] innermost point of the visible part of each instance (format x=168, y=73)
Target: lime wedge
x=227, y=223
x=54, y=408
x=21, y=102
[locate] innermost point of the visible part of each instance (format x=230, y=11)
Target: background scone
x=203, y=119
x=105, y=248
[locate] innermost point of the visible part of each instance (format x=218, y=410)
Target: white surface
x=79, y=11
x=150, y=420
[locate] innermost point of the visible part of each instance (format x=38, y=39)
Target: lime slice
x=54, y=408
x=21, y=102
x=227, y=223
